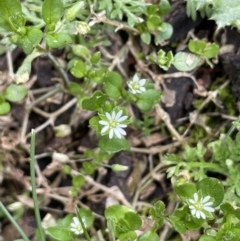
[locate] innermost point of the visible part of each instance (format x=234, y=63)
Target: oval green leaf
x=212, y=187
x=113, y=145
x=4, y=108
x=186, y=61
x=15, y=92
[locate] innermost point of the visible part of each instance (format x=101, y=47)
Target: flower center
x=79, y=228
x=198, y=206
x=113, y=124
x=135, y=86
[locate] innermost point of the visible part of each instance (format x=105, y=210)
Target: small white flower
x=199, y=206
x=76, y=226
x=113, y=124
x=136, y=85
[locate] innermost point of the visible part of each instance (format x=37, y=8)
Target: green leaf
x=59, y=233
x=113, y=84
x=58, y=40
x=15, y=93
x=183, y=220
x=148, y=99
x=95, y=58
x=9, y=9
x=197, y=46
x=134, y=220
x=75, y=88
x=164, y=60
x=23, y=73
x=164, y=33
x=165, y=7
x=211, y=51
x=94, y=123
x=117, y=212
x=153, y=22
x=200, y=47
x=226, y=13
x=146, y=37
x=149, y=236
x=128, y=236
x=113, y=145
x=186, y=61
x=81, y=51
x=89, y=167
x=95, y=101
x=86, y=216
x=29, y=41
x=78, y=69
x=205, y=237
x=212, y=187
x=185, y=190
x=73, y=11
x=4, y=108
x=78, y=181
x=178, y=224
x=52, y=11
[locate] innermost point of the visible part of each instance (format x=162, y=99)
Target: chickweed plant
x=202, y=202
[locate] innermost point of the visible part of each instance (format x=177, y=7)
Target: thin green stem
x=24, y=236
x=83, y=226
x=33, y=182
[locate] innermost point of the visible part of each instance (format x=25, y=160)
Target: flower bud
x=72, y=12
x=62, y=130
x=15, y=206
x=60, y=157
x=119, y=168
x=82, y=27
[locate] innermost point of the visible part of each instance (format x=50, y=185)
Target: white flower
x=136, y=85
x=112, y=124
x=199, y=206
x=76, y=226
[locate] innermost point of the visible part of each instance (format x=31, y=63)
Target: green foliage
x=123, y=221
x=107, y=95
x=204, y=49
x=12, y=93
x=15, y=93
x=225, y=13
x=132, y=9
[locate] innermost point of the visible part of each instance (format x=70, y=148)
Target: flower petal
x=123, y=118
x=122, y=125
x=76, y=221
x=108, y=116
x=206, y=199
x=208, y=204
x=102, y=122
x=121, y=131
x=104, y=129
x=142, y=82
x=117, y=133
x=135, y=78
x=195, y=196
x=198, y=214
x=209, y=209
x=118, y=115
x=192, y=201
x=113, y=115
x=111, y=134
x=202, y=214
x=142, y=89
x=193, y=212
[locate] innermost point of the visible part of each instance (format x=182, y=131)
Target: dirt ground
x=186, y=100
